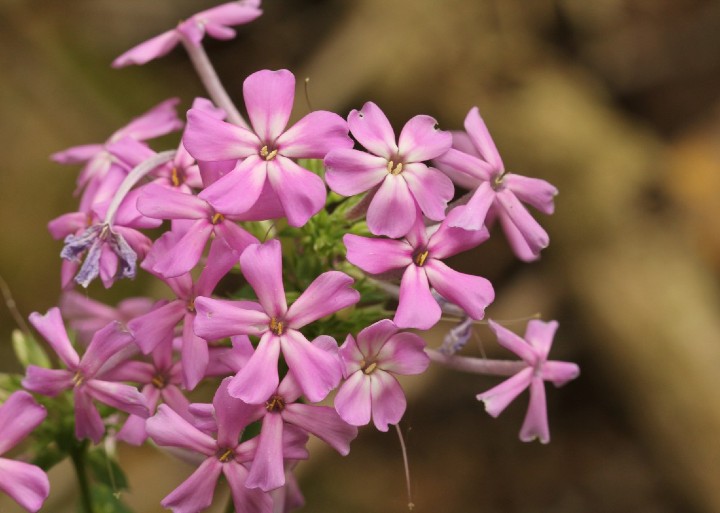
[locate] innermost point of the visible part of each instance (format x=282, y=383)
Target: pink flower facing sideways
x=533, y=350
x=85, y=375
x=395, y=172
x=475, y=164
x=420, y=254
x=266, y=152
x=317, y=371
x=215, y=22
x=370, y=363
x=27, y=484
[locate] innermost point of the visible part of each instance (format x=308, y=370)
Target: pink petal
x=187, y=252
x=88, y=423
x=371, y=339
x=52, y=328
x=471, y=293
x=156, y=328
x=388, y=399
x=559, y=373
x=133, y=431
x=540, y=334
x=77, y=154
x=417, y=308
x=328, y=293
x=531, y=231
x=66, y=224
x=350, y=172
x=105, y=344
x=377, y=255
x=517, y=241
x=230, y=234
x=194, y=355
x=196, y=492
x=267, y=471
x=403, y=353
x=301, y=192
x=392, y=210
x=258, y=379
x=245, y=500
x=535, y=424
x=159, y=120
x=473, y=215
x=220, y=260
x=465, y=169
x=431, y=189
x=122, y=397
x=480, y=137
x=161, y=202
x=19, y=415
x=533, y=191
x=448, y=240
x=513, y=342
x=353, y=400
x=261, y=264
x=314, y=136
x=216, y=319
x=232, y=13
x=238, y=190
x=168, y=428
x=151, y=49
x=210, y=139
x=317, y=371
x=351, y=356
x=499, y=397
x=269, y=99
x=27, y=484
x=48, y=382
x=372, y=129
x=323, y=422
x=421, y=140
x=232, y=415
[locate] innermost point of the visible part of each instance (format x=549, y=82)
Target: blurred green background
x=615, y=102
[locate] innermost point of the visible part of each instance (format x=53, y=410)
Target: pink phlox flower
x=86, y=316
x=266, y=153
x=223, y=454
x=370, y=364
x=475, y=164
x=85, y=375
x=27, y=484
x=215, y=22
x=395, y=173
x=420, y=254
x=160, y=120
x=533, y=349
x=157, y=327
x=202, y=222
x=316, y=370
x=229, y=360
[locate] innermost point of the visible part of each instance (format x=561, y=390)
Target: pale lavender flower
x=394, y=172
x=370, y=364
x=316, y=370
x=533, y=350
x=475, y=164
x=420, y=254
x=84, y=376
x=266, y=151
x=215, y=22
x=27, y=484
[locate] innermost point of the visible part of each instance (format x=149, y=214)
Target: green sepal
x=106, y=470
x=28, y=351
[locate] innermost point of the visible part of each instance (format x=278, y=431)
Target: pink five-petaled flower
x=474, y=163
x=420, y=253
x=224, y=455
x=84, y=376
x=215, y=22
x=317, y=371
x=370, y=363
x=534, y=351
x=25, y=483
x=266, y=151
x=396, y=172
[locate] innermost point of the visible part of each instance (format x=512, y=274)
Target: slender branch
x=394, y=291
x=211, y=81
x=477, y=365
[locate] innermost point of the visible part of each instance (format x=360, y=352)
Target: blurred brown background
x=615, y=102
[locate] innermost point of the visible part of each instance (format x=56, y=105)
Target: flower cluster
x=247, y=203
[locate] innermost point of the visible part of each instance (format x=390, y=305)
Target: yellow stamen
x=174, y=177
x=226, y=456
x=370, y=368
x=191, y=305
x=217, y=218
x=276, y=403
x=159, y=381
x=78, y=379
x=420, y=259
x=269, y=155
x=277, y=327
x=394, y=169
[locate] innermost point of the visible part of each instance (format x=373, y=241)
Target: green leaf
x=105, y=500
x=28, y=351
x=106, y=470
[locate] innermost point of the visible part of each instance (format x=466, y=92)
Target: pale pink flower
x=533, y=349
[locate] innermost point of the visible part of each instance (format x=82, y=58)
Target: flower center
x=497, y=181
x=275, y=404
x=225, y=455
x=217, y=218
x=191, y=305
x=277, y=327
x=394, y=169
x=160, y=381
x=421, y=257
x=78, y=379
x=269, y=155
x=175, y=177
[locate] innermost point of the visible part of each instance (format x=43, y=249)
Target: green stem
x=78, y=458
x=230, y=508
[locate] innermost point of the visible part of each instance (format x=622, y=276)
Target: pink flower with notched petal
x=266, y=152
x=474, y=163
x=421, y=254
x=533, y=350
x=317, y=371
x=396, y=174
x=27, y=484
x=370, y=363
x=215, y=22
